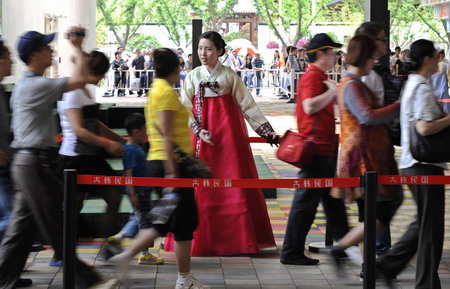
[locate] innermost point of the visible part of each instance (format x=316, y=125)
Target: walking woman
x=425, y=236
x=232, y=220
x=167, y=125
x=364, y=140
x=84, y=144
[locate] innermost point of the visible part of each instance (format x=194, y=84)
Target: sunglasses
x=382, y=39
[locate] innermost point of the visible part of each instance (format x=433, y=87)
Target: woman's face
x=208, y=52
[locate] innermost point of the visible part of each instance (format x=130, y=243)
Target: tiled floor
x=261, y=270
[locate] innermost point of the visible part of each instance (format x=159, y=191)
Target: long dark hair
x=276, y=55
x=215, y=37
x=419, y=49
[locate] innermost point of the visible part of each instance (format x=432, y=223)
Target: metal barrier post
x=69, y=237
x=370, y=183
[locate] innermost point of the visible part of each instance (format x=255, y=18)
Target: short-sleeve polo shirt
x=320, y=125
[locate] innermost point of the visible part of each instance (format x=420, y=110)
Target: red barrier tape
x=259, y=183
x=414, y=180
x=253, y=139
x=219, y=183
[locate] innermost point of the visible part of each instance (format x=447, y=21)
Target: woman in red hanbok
x=232, y=220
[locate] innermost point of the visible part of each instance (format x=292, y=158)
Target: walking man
x=38, y=194
x=315, y=119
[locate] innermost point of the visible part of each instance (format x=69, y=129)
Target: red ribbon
x=219, y=183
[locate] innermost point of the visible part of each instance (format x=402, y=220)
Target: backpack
x=392, y=90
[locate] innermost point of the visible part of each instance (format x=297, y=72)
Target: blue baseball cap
x=31, y=42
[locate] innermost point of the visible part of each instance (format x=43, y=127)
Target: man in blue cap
x=38, y=194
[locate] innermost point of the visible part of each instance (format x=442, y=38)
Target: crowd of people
x=208, y=121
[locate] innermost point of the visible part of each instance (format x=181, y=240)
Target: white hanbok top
x=229, y=83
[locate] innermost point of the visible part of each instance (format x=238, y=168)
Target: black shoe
x=22, y=282
x=284, y=97
x=300, y=261
x=291, y=101
x=383, y=274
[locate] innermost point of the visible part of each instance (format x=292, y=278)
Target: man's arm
x=80, y=76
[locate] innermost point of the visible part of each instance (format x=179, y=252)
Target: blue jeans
x=131, y=228
x=304, y=208
x=5, y=199
x=258, y=83
x=145, y=206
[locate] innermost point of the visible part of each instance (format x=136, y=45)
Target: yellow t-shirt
x=162, y=97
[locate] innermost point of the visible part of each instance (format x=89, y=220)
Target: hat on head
x=322, y=41
x=31, y=42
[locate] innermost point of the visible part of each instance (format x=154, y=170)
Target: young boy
x=134, y=165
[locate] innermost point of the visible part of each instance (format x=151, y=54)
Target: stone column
x=77, y=12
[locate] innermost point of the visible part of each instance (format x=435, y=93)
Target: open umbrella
x=238, y=43
x=245, y=49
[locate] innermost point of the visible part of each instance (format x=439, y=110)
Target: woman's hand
x=114, y=148
x=205, y=136
x=272, y=139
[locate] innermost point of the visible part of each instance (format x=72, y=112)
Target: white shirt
x=227, y=60
x=375, y=83
x=424, y=107
x=73, y=99
x=392, y=61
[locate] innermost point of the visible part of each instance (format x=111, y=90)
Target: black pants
x=304, y=208
x=120, y=79
x=425, y=236
x=37, y=205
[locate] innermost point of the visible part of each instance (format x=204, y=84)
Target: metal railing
x=118, y=83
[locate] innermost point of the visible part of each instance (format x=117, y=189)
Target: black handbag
x=192, y=166
x=431, y=148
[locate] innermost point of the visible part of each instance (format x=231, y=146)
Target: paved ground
x=261, y=270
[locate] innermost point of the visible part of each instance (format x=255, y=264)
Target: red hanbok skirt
x=231, y=220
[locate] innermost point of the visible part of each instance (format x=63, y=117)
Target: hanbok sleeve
x=187, y=98
x=248, y=106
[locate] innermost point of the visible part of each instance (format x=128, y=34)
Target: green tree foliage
x=174, y=16
x=124, y=18
x=298, y=13
x=409, y=19
x=143, y=41
x=212, y=12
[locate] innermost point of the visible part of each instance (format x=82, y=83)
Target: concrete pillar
x=78, y=12
x=24, y=15
x=377, y=11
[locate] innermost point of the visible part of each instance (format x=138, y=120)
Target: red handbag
x=296, y=149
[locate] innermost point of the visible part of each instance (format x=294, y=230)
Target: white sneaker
x=191, y=283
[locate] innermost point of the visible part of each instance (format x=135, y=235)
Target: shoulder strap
x=413, y=99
